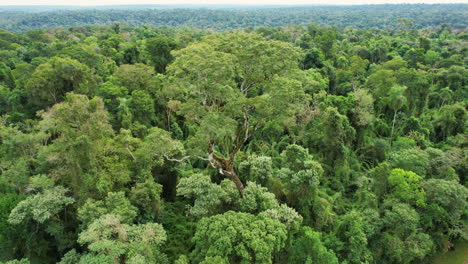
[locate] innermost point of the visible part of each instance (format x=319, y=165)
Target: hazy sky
x=240, y=2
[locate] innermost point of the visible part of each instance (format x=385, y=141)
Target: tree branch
x=176, y=160
x=131, y=154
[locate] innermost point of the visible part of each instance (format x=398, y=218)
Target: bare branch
x=176, y=160
x=131, y=154
x=202, y=158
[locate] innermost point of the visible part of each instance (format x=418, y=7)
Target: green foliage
x=401, y=213
x=239, y=237
x=256, y=169
x=450, y=120
x=308, y=248
x=115, y=204
x=110, y=237
x=446, y=207
x=80, y=126
x=42, y=216
x=293, y=144
x=351, y=236
x=411, y=159
x=22, y=261
x=208, y=196
x=406, y=186
x=52, y=80
x=41, y=207
x=10, y=235
x=159, y=50
x=147, y=197
x=134, y=77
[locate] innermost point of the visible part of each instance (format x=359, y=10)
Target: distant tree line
x=368, y=16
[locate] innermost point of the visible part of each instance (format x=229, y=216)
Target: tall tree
x=233, y=88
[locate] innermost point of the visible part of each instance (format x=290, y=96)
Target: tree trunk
x=393, y=123
x=225, y=167
x=236, y=180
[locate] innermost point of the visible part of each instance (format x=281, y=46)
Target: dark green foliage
x=10, y=237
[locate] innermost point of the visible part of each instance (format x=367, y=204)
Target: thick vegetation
x=268, y=145
x=226, y=18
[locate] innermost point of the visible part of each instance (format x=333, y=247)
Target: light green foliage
x=431, y=57
x=406, y=186
x=75, y=117
x=41, y=216
x=401, y=213
x=257, y=60
x=301, y=176
x=364, y=109
x=406, y=251
x=4, y=94
x=402, y=143
x=450, y=120
x=350, y=231
x=257, y=199
x=96, y=259
x=239, y=237
x=17, y=151
x=338, y=133
x=396, y=99
x=206, y=71
x=41, y=207
x=418, y=246
x=141, y=106
x=157, y=147
x=209, y=197
x=417, y=83
x=115, y=203
x=350, y=74
x=286, y=215
x=71, y=257
x=214, y=260
x=86, y=54
x=441, y=165
x=446, y=207
x=52, y=80
x=109, y=236
x=147, y=197
x=22, y=261
x=380, y=82
x=395, y=64
x=256, y=169
x=410, y=159
x=88, y=167
x=41, y=182
x=296, y=157
x=303, y=181
x=181, y=260
x=134, y=77
x=450, y=195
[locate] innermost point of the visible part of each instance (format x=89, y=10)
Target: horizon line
x=227, y=4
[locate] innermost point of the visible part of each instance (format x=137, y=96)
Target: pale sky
x=202, y=2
